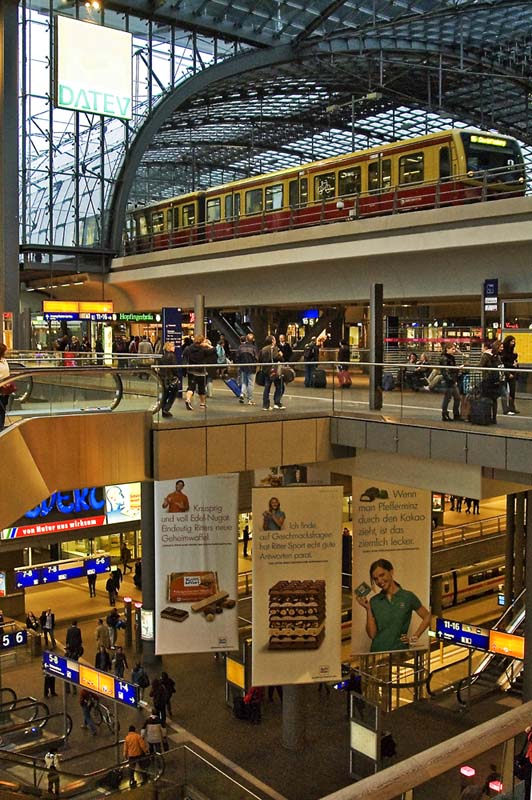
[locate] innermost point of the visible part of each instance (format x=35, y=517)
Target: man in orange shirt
x=176, y=502
x=135, y=748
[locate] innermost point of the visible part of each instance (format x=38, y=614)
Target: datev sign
x=93, y=68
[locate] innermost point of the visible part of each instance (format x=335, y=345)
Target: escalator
x=26, y=724
x=232, y=329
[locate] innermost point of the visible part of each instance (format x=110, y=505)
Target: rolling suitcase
x=344, y=379
x=480, y=411
x=233, y=385
x=319, y=379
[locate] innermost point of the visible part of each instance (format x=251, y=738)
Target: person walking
x=247, y=357
x=47, y=621
x=270, y=354
x=159, y=696
x=491, y=384
x=509, y=359
x=86, y=701
x=91, y=582
x=140, y=677
x=154, y=732
x=51, y=762
x=135, y=748
x=170, y=378
x=113, y=624
x=102, y=660
x=125, y=557
x=450, y=380
x=102, y=635
x=245, y=536
x=310, y=357
x=198, y=355
x=110, y=588
x=169, y=685
x=120, y=662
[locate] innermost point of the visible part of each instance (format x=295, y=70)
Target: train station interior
x=344, y=189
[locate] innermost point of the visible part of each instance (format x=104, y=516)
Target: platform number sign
x=13, y=639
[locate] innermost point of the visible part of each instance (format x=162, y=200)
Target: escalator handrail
x=450, y=686
x=26, y=702
x=29, y=374
x=11, y=703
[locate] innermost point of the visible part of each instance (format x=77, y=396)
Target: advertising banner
x=196, y=523
x=296, y=584
x=391, y=567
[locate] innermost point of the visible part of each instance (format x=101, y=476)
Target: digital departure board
x=462, y=633
x=102, y=683
x=61, y=571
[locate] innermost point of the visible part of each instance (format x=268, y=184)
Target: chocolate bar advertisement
x=297, y=561
x=196, y=525
x=391, y=567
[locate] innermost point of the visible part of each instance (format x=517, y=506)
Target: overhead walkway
x=134, y=442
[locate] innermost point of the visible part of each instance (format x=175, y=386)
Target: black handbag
x=259, y=377
x=288, y=374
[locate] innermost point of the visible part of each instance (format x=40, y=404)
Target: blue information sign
x=462, y=633
x=27, y=577
x=13, y=639
x=101, y=683
x=61, y=571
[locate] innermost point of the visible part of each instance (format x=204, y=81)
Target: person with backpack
x=154, y=732
x=140, y=677
x=310, y=357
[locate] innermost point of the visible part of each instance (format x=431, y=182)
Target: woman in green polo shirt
x=389, y=613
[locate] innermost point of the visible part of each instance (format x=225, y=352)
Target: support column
x=9, y=192
x=376, y=348
x=527, y=673
x=520, y=543
x=199, y=315
x=148, y=564
x=509, y=591
x=294, y=717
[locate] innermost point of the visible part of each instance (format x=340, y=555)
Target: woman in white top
x=4, y=373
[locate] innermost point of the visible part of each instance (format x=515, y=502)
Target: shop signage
x=79, y=509
x=137, y=316
x=101, y=683
x=94, y=68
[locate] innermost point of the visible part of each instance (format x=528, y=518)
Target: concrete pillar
x=509, y=591
x=294, y=722
x=9, y=192
x=376, y=345
x=527, y=673
x=519, y=548
x=148, y=564
x=199, y=315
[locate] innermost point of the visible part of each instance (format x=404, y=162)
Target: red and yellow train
x=447, y=168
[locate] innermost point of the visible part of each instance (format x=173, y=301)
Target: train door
x=379, y=199
x=298, y=199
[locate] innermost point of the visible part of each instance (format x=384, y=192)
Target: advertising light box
x=94, y=68
x=508, y=644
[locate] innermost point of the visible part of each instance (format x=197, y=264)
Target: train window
x=254, y=201
x=386, y=173
x=232, y=206
x=445, y=163
x=214, y=209
x=157, y=221
x=189, y=215
x=373, y=175
x=142, y=224
x=411, y=168
x=274, y=197
x=298, y=193
x=325, y=186
x=349, y=181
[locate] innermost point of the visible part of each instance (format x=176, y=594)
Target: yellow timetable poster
x=523, y=346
